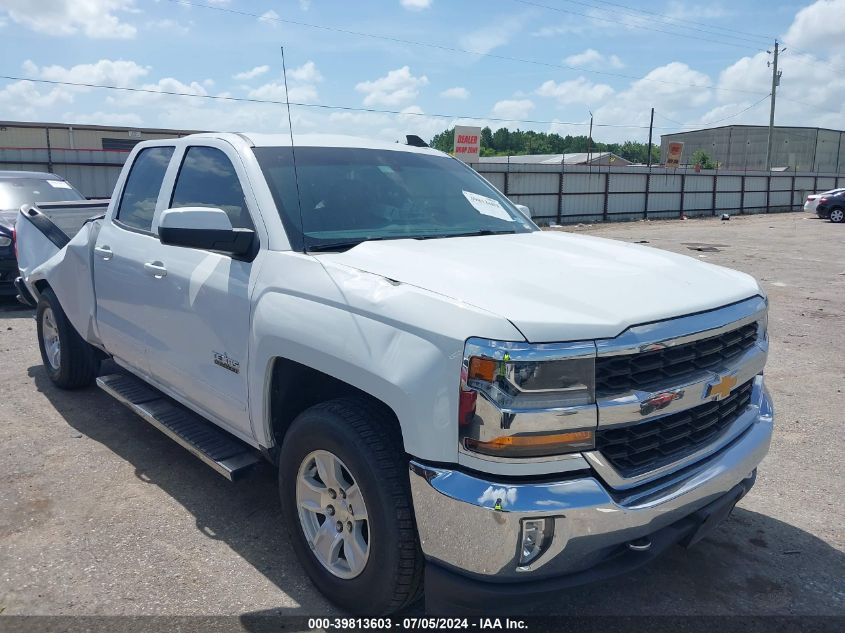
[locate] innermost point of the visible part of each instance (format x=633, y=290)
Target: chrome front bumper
x=472, y=524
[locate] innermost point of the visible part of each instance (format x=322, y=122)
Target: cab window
x=140, y=193
x=207, y=178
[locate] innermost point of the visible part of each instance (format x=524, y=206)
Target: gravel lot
x=100, y=514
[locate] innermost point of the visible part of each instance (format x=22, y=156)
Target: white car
x=443, y=386
x=813, y=200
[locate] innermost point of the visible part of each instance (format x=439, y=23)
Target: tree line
x=504, y=142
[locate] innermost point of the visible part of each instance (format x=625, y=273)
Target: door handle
x=155, y=269
x=104, y=251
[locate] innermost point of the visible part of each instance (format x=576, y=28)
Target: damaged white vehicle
x=450, y=394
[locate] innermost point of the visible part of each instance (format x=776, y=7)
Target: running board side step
x=222, y=451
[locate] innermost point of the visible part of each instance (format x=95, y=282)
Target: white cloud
x=578, y=90
x=494, y=35
x=269, y=17
x=416, y=5
x=304, y=5
x=458, y=92
x=694, y=11
x=818, y=26
x=666, y=88
x=395, y=88
x=251, y=74
x=128, y=119
x=24, y=100
x=94, y=18
x=275, y=91
x=307, y=72
x=591, y=57
x=168, y=25
x=105, y=71
x=512, y=108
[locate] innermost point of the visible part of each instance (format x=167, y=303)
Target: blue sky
x=697, y=63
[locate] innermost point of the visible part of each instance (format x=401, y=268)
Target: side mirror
x=208, y=228
x=524, y=209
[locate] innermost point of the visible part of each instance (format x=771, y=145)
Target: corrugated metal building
x=89, y=156
x=813, y=149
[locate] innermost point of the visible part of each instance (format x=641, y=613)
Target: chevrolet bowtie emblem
x=721, y=388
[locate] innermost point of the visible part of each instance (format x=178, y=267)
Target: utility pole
x=775, y=83
x=650, y=128
x=590, y=140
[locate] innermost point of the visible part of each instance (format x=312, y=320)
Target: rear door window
x=207, y=178
x=140, y=193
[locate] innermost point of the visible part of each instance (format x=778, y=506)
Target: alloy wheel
x=333, y=514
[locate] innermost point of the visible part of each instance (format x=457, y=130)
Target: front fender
x=401, y=344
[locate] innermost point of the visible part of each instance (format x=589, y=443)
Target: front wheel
x=343, y=482
x=837, y=215
x=70, y=361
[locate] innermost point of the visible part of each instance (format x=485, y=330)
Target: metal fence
x=94, y=172
x=556, y=194
x=559, y=194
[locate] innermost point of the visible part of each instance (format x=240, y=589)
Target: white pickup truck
x=450, y=394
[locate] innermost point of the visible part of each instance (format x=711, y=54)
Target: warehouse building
x=805, y=149
x=88, y=156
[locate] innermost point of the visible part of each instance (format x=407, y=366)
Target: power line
x=453, y=49
x=315, y=105
x=671, y=19
x=709, y=123
x=645, y=28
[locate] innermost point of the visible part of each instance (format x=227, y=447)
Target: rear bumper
x=462, y=532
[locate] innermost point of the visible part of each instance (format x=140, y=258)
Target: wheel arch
x=293, y=387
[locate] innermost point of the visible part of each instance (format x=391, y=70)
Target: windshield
x=15, y=192
x=351, y=195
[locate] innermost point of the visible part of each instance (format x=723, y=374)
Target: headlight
x=523, y=400
x=5, y=241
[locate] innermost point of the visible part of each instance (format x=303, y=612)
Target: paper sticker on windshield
x=487, y=206
x=59, y=184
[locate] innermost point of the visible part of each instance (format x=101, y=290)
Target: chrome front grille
x=671, y=365
x=656, y=442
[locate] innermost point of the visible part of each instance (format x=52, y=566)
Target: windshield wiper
x=342, y=246
x=467, y=234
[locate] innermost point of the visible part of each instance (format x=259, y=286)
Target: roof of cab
x=316, y=140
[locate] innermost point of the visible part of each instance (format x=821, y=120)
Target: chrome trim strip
x=686, y=329
x=632, y=408
x=521, y=351
x=612, y=478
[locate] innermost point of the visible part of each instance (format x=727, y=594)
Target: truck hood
x=555, y=286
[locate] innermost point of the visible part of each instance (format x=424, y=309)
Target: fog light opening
x=535, y=539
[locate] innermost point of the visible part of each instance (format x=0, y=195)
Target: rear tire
x=363, y=439
x=837, y=215
x=70, y=362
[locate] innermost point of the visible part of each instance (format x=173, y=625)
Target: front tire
x=837, y=215
x=343, y=481
x=69, y=360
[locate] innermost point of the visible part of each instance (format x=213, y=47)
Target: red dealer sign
x=467, y=143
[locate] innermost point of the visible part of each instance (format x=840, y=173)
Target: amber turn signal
x=533, y=445
x=482, y=369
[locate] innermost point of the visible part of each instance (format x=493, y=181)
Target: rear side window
x=207, y=178
x=138, y=202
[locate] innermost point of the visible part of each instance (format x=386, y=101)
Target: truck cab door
x=199, y=316
x=123, y=289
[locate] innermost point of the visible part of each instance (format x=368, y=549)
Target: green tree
x=700, y=157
